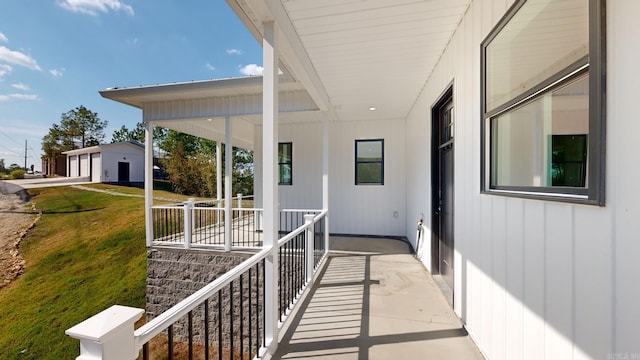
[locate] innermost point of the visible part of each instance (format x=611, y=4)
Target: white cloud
x=251, y=70
x=3, y=38
x=57, y=72
x=18, y=58
x=94, y=7
x=19, y=97
x=20, y=86
x=234, y=52
x=5, y=69
x=24, y=96
x=210, y=67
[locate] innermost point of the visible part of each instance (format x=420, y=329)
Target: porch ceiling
x=374, y=53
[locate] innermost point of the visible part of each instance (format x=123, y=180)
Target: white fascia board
x=138, y=96
x=86, y=150
x=99, y=148
x=295, y=59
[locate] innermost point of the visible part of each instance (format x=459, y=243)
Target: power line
x=10, y=138
x=10, y=150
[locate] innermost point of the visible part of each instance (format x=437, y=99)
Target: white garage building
x=121, y=162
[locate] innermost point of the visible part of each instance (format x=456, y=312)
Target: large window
x=370, y=162
x=285, y=163
x=543, y=102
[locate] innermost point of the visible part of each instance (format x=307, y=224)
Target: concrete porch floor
x=374, y=301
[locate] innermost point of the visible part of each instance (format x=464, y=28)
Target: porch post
x=325, y=175
x=148, y=180
x=228, y=169
x=218, y=172
x=270, y=180
x=188, y=222
x=309, y=254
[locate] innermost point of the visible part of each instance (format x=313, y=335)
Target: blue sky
x=56, y=55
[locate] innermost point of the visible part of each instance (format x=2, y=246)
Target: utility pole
x=25, y=155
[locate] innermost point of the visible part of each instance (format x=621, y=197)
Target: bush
x=17, y=174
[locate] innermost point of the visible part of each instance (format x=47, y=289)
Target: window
x=370, y=162
x=285, y=163
x=543, y=102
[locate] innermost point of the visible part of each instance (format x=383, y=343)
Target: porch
x=373, y=300
x=368, y=298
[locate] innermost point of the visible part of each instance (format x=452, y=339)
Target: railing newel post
x=308, y=222
x=108, y=335
x=188, y=222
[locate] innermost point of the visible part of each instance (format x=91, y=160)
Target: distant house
x=121, y=163
x=54, y=165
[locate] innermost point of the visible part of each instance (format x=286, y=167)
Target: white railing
x=111, y=335
x=202, y=222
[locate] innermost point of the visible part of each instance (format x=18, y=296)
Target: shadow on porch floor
x=374, y=301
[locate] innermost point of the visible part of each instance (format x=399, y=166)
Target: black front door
x=443, y=193
x=123, y=172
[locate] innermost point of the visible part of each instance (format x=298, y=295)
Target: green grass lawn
x=86, y=253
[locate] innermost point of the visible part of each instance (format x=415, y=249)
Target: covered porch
x=367, y=298
x=374, y=300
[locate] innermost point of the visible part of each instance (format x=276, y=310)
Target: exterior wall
x=122, y=153
x=367, y=209
x=358, y=210
x=306, y=189
x=536, y=279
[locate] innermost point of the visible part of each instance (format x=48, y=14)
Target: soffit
x=374, y=53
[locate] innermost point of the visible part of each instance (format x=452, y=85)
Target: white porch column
x=270, y=178
x=218, y=171
x=325, y=175
x=148, y=181
x=228, y=178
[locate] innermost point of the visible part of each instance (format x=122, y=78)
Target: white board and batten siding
x=536, y=279
x=305, y=192
x=354, y=209
x=367, y=209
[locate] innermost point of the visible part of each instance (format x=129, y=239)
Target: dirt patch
x=16, y=218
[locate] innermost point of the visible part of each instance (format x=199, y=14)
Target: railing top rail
x=196, y=207
x=301, y=210
x=149, y=330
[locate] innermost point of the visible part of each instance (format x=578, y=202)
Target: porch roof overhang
x=354, y=55
x=199, y=108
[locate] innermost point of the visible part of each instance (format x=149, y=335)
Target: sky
x=55, y=55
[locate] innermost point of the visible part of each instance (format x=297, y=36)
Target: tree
x=191, y=164
x=124, y=134
x=3, y=169
x=78, y=128
x=83, y=126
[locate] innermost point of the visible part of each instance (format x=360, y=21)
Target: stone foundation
x=174, y=274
